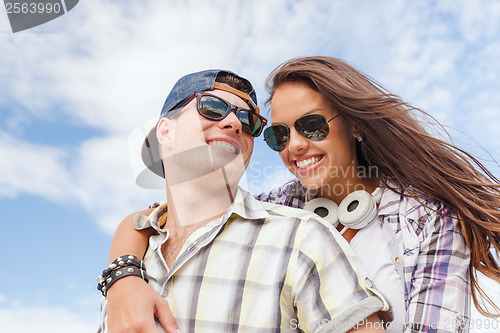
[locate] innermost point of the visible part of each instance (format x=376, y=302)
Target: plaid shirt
x=261, y=267
x=435, y=258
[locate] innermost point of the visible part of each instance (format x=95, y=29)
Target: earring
x=360, y=138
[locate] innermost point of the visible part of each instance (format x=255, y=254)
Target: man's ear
x=165, y=133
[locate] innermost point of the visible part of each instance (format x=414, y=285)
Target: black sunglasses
x=215, y=108
x=311, y=126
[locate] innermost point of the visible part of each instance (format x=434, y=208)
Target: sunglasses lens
x=215, y=108
x=276, y=137
x=313, y=127
x=250, y=122
x=212, y=107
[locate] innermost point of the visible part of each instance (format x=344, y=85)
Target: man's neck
x=193, y=204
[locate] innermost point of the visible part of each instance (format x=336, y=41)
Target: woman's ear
x=356, y=131
x=165, y=133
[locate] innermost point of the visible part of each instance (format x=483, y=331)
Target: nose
x=297, y=143
x=231, y=122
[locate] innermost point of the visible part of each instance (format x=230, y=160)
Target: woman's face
x=329, y=165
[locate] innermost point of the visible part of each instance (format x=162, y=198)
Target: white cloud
x=96, y=176
x=27, y=319
x=104, y=182
x=22, y=316
x=32, y=168
x=112, y=66
x=479, y=19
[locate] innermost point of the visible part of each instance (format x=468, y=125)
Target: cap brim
x=150, y=154
x=143, y=176
x=147, y=179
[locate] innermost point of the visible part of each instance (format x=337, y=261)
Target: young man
x=224, y=261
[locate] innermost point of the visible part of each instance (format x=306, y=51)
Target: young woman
x=437, y=209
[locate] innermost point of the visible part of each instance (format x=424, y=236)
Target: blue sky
x=72, y=91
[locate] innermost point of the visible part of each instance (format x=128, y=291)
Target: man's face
x=202, y=145
x=225, y=137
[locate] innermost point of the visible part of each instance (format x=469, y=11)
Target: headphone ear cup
x=357, y=210
x=325, y=208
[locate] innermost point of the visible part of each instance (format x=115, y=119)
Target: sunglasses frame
x=300, y=132
x=229, y=107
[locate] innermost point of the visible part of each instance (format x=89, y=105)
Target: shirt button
x=164, y=293
x=369, y=283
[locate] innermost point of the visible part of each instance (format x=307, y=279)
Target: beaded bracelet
x=121, y=273
x=109, y=275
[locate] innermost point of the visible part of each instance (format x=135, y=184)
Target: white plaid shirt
x=261, y=267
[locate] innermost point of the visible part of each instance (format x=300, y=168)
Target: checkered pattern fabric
x=262, y=267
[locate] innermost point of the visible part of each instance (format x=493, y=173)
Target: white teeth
x=307, y=163
x=224, y=145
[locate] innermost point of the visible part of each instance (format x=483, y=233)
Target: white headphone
x=356, y=211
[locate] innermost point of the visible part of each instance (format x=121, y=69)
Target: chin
x=234, y=168
x=311, y=184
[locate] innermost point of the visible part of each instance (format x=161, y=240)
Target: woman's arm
x=439, y=294
x=372, y=324
x=128, y=240
x=132, y=304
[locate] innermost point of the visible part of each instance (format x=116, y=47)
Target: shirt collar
x=141, y=222
x=389, y=203
x=246, y=206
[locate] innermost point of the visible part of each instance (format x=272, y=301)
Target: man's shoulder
x=284, y=218
x=149, y=217
x=275, y=209
x=304, y=221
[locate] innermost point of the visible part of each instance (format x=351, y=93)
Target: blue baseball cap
x=184, y=88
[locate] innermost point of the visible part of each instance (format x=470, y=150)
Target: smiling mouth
x=224, y=145
x=307, y=163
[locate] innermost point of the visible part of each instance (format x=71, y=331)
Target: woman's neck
x=336, y=190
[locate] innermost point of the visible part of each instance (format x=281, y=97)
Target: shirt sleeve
x=330, y=288
x=439, y=296
x=276, y=195
x=103, y=327
x=291, y=194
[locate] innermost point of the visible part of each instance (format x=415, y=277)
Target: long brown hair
x=406, y=155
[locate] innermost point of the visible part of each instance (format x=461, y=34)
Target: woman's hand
x=132, y=308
